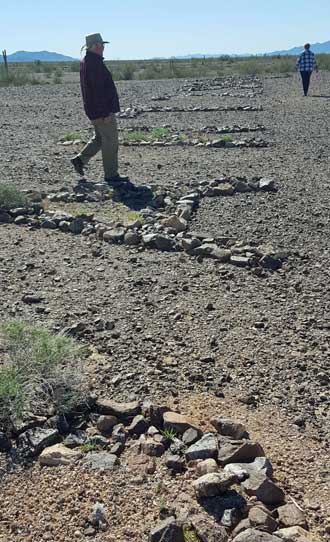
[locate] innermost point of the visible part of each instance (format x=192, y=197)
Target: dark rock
x=229, y=428
x=289, y=515
x=177, y=422
x=35, y=440
x=5, y=218
x=270, y=262
x=119, y=434
x=30, y=299
x=264, y=489
x=105, y=424
x=132, y=238
x=261, y=519
x=207, y=529
x=254, y=535
x=175, y=463
x=120, y=410
x=167, y=531
x=214, y=484
x=238, y=451
x=73, y=441
x=205, y=448
x=101, y=461
x=138, y=426
x=98, y=440
x=76, y=226
x=5, y=443
x=152, y=448
x=164, y=243
x=191, y=436
x=48, y=224
x=117, y=449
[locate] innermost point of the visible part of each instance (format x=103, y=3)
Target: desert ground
x=202, y=336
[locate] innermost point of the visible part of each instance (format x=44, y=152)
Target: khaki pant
x=105, y=139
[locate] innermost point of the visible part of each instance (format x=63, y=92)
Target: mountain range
x=43, y=56
x=46, y=56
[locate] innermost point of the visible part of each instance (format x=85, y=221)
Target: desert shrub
x=57, y=76
x=39, y=371
x=71, y=136
x=17, y=77
x=323, y=62
x=74, y=67
x=10, y=196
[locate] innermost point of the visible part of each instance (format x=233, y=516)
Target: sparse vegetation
x=39, y=372
x=72, y=136
x=168, y=433
x=89, y=447
x=17, y=77
x=190, y=536
x=10, y=196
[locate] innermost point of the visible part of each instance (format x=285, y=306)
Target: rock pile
x=236, y=495
x=164, y=225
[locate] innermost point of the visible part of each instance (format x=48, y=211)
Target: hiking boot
x=78, y=165
x=117, y=180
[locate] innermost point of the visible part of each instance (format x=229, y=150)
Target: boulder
x=261, y=519
x=120, y=410
x=254, y=535
x=138, y=426
x=205, y=448
x=213, y=485
x=152, y=448
x=177, y=422
x=114, y=235
x=191, y=436
x=295, y=534
x=207, y=529
x=5, y=443
x=105, y=424
x=57, y=455
x=132, y=238
x=175, y=223
x=76, y=226
x=231, y=451
x=264, y=489
x=101, y=461
x=289, y=515
x=167, y=531
x=207, y=466
x=37, y=439
x=229, y=428
x=261, y=465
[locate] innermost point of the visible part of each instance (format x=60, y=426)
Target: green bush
x=11, y=197
x=39, y=372
x=17, y=77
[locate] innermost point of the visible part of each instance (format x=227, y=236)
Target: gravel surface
x=265, y=341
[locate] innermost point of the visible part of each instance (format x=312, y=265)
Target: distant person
x=306, y=64
x=101, y=102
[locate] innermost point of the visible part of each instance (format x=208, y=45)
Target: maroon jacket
x=98, y=90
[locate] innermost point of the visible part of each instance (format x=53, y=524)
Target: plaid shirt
x=306, y=61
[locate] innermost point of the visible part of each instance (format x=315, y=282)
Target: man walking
x=101, y=102
x=306, y=64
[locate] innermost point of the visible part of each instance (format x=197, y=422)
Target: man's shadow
x=133, y=196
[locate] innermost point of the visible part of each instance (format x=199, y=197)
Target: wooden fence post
x=4, y=54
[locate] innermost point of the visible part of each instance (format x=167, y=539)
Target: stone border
x=236, y=496
x=165, y=225
x=133, y=112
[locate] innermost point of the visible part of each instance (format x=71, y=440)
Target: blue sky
x=149, y=28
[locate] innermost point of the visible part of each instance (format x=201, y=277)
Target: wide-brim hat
x=93, y=39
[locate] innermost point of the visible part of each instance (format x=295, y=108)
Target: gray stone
x=240, y=261
x=230, y=518
x=229, y=428
x=261, y=465
x=5, y=218
x=119, y=434
x=98, y=440
x=254, y=535
x=270, y=262
x=164, y=243
x=120, y=410
x=175, y=463
x=238, y=451
x=207, y=467
x=213, y=484
x=175, y=223
x=74, y=441
x=205, y=448
x=105, y=424
x=167, y=531
x=138, y=426
x=76, y=226
x=114, y=235
x=30, y=299
x=132, y=238
x=117, y=449
x=264, y=489
x=101, y=461
x=289, y=515
x=48, y=224
x=294, y=534
x=207, y=529
x=19, y=220
x=177, y=422
x=267, y=184
x=242, y=526
x=37, y=439
x=190, y=436
x=152, y=448
x=64, y=226
x=5, y=443
x=190, y=244
x=262, y=520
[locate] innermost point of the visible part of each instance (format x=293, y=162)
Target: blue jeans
x=306, y=77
